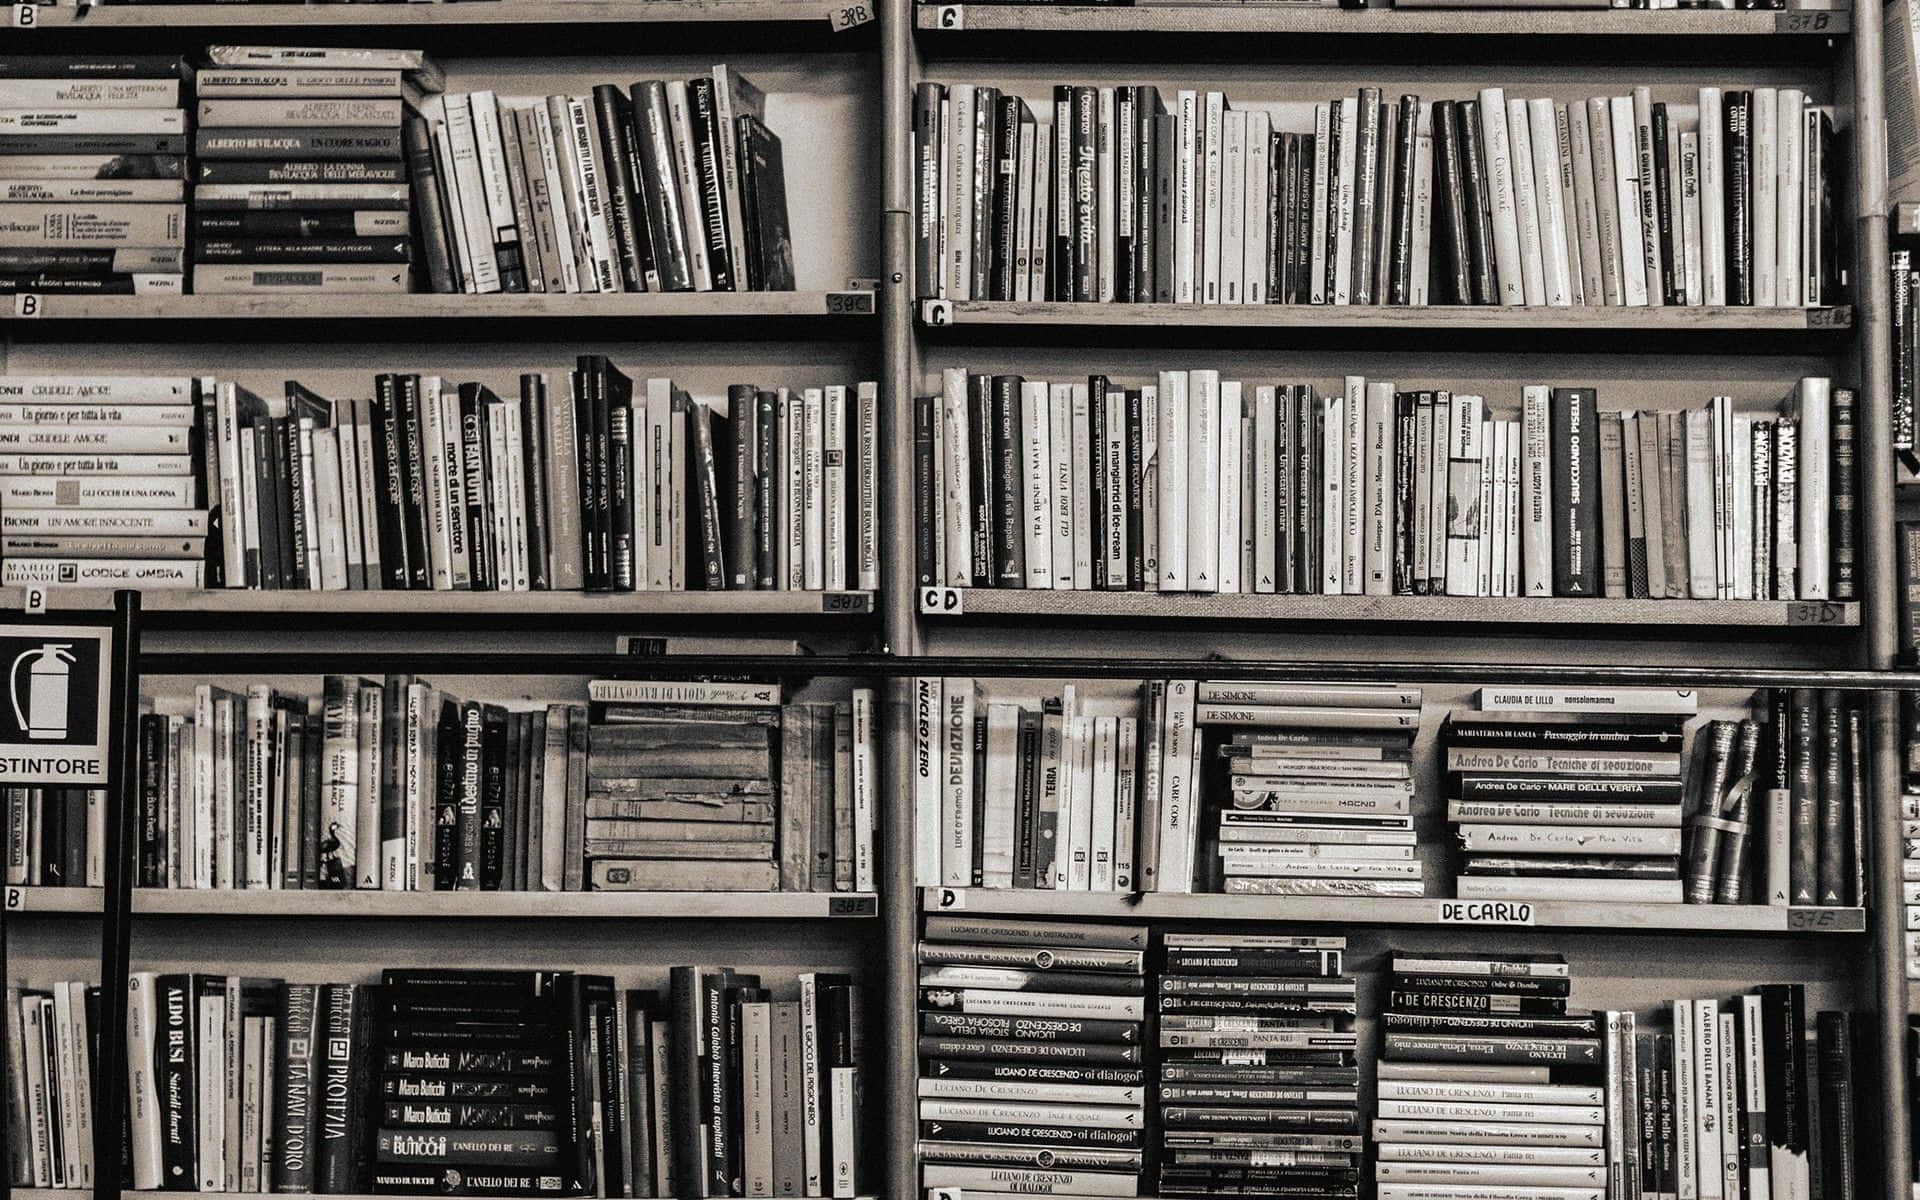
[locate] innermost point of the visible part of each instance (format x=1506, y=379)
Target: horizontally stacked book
x=1319, y=787
x=1486, y=1083
x=92, y=175
x=1031, y=1054
x=55, y=836
x=667, y=186
x=1192, y=483
x=1714, y=197
x=400, y=786
x=602, y=484
x=1258, y=1080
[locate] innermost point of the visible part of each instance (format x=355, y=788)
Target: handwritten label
x=943, y=601
x=845, y=303
x=848, y=16
x=28, y=304
x=950, y=16
x=1838, y=317
x=853, y=906
x=1815, y=918
x=936, y=312
x=1485, y=912
x=16, y=899
x=846, y=602
x=1802, y=22
x=946, y=898
x=36, y=601
x=1815, y=612
x=25, y=16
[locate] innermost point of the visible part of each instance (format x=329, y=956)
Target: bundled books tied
x=667, y=186
x=462, y=1082
x=1319, y=787
x=1720, y=196
x=55, y=836
x=400, y=786
x=1192, y=483
x=93, y=168
x=1605, y=806
x=1031, y=1056
x=1259, y=1083
x=300, y=186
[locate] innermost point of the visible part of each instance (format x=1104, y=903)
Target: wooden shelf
x=16, y=900
x=1189, y=606
x=423, y=306
x=402, y=16
x=1293, y=21
x=169, y=605
x=939, y=314
x=728, y=906
x=1555, y=914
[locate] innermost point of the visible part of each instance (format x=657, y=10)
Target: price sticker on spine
x=1485, y=912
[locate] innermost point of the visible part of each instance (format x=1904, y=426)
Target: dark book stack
x=55, y=836
x=1314, y=795
x=601, y=484
x=720, y=787
x=1258, y=1080
x=1031, y=1055
x=92, y=175
x=667, y=185
x=1568, y=805
x=300, y=185
x=1487, y=1082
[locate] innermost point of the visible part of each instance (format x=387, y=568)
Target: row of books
x=603, y=484
x=1192, y=483
x=463, y=1082
x=55, y=836
x=93, y=174
x=397, y=785
x=1720, y=197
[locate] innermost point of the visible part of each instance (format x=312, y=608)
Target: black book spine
x=493, y=796
x=1126, y=171
x=1306, y=508
x=268, y=479
x=982, y=137
x=296, y=1086
x=659, y=187
x=334, y=1164
x=742, y=490
x=980, y=434
x=772, y=517
x=1804, y=858
x=1839, y=1121
x=1670, y=278
x=446, y=800
x=1281, y=150
x=294, y=488
x=1739, y=185
x=601, y=433
x=1478, y=208
x=473, y=470
x=1003, y=241
x=1302, y=217
x=533, y=435
x=1335, y=136
x=1146, y=107
x=1450, y=198
x=1026, y=801
x=715, y=1106
x=1097, y=401
x=927, y=167
x=1060, y=219
x=1842, y=479
x=1405, y=451
x=1574, y=447
x=174, y=1069
x=1286, y=488
x=751, y=247
x=1834, y=883
x=1366, y=157
x=703, y=112
x=153, y=768
x=613, y=1091
x=1400, y=238
x=1009, y=542
x=414, y=470
x=1136, y=493
x=429, y=216
x=620, y=549
x=467, y=816
x=926, y=525
x=582, y=382
x=386, y=468
x=1081, y=138
x=610, y=110
x=706, y=505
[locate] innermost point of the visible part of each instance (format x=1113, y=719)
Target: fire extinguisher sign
x=54, y=714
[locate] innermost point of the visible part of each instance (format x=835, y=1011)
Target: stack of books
x=1259, y=1086
x=670, y=185
x=1567, y=805
x=1192, y=483
x=1486, y=1079
x=92, y=174
x=1318, y=788
x=1716, y=197
x=718, y=787
x=52, y=1052
x=96, y=480
x=397, y=785
x=1089, y=1118
x=301, y=187
x=55, y=836
x=1910, y=827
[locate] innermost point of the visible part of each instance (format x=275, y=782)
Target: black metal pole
x=116, y=902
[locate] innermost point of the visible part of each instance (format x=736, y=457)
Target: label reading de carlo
x=1486, y=912
x=53, y=719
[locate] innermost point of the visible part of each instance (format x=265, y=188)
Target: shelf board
x=427, y=306
x=937, y=314
x=171, y=603
x=1555, y=914
x=730, y=906
x=1303, y=21
x=1190, y=606
x=15, y=900
x=414, y=16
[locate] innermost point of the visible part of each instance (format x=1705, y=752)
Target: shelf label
x=843, y=303
x=950, y=16
x=24, y=16
x=1485, y=912
x=947, y=898
x=848, y=16
x=1802, y=22
x=35, y=600
x=936, y=312
x=853, y=906
x=845, y=602
x=1815, y=612
x=28, y=304
x=1838, y=317
x=942, y=601
x=1815, y=918
x=15, y=899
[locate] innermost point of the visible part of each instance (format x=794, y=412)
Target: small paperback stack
x=1006, y=1091
x=1318, y=797
x=1567, y=805
x=51, y=1060
x=92, y=174
x=97, y=482
x=1259, y=1087
x=55, y=836
x=1487, y=1082
x=716, y=787
x=301, y=184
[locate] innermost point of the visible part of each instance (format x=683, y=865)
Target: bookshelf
x=854, y=306
x=1517, y=321
x=1796, y=20
x=109, y=17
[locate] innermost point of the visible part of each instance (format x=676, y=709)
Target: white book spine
x=1635, y=286
x=958, y=182
x=493, y=168
x=1693, y=263
x=1036, y=492
x=1815, y=483
x=687, y=169
x=1232, y=453
x=1422, y=256
x=566, y=238
x=1551, y=185
x=1353, y=490
x=1060, y=484
x=1706, y=1094
x=1173, y=460
x=1606, y=191
x=592, y=187
x=1106, y=187
x=1212, y=149
x=813, y=489
x=1084, y=448
x=1381, y=459
x=1150, y=485
x=1102, y=803
x=1685, y=1103
x=1510, y=270
x=1264, y=494
x=1528, y=201
x=469, y=181
x=929, y=770
x=1233, y=207
x=956, y=795
x=1257, y=202
x=1713, y=189
x=1188, y=180
x=957, y=473
x=1344, y=182
x=1178, y=806
x=1789, y=290
x=833, y=482
x=1765, y=195
x=1648, y=199
x=1203, y=484
x=1584, y=199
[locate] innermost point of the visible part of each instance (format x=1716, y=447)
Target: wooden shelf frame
x=852, y=308
x=456, y=906
x=212, y=608
x=405, y=18
x=936, y=315
x=949, y=22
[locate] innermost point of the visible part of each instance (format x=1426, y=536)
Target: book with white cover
x=1814, y=403
x=1036, y=484
x=1060, y=485
x=1648, y=199
x=1527, y=202
x=1353, y=490
x=1599, y=120
x=1636, y=287
x=1790, y=118
x=1510, y=271
x=1342, y=198
x=1713, y=212
x=1323, y=117
x=1558, y=258
x=1173, y=460
x=1380, y=543
x=1229, y=488
x=1203, y=480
